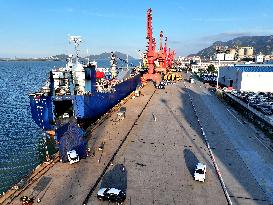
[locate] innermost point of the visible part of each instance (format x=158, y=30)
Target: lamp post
x=218, y=73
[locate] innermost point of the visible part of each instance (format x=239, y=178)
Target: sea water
x=19, y=135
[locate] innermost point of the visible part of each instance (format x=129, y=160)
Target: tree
x=211, y=69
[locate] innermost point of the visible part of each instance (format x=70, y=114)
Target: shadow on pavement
x=224, y=149
x=191, y=160
x=115, y=178
x=42, y=184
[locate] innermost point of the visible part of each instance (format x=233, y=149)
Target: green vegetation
x=211, y=69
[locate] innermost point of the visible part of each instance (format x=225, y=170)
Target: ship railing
x=125, y=68
x=61, y=98
x=36, y=94
x=39, y=93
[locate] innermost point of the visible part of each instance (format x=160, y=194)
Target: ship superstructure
x=82, y=91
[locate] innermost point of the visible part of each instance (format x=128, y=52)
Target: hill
x=263, y=44
x=106, y=56
x=102, y=56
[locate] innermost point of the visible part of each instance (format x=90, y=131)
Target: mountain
x=102, y=56
x=106, y=56
x=263, y=44
x=61, y=56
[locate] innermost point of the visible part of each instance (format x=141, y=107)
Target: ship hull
x=85, y=107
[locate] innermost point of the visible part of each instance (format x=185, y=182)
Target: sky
x=39, y=28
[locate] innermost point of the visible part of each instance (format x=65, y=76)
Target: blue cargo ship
x=81, y=91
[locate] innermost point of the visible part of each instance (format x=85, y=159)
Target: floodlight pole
x=218, y=74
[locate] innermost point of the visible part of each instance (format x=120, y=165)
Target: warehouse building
x=255, y=77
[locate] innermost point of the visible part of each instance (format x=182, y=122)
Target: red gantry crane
x=161, y=56
x=165, y=52
x=164, y=56
x=170, y=58
x=151, y=52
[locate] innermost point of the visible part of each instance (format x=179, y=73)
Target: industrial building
x=245, y=52
x=225, y=57
x=255, y=77
x=200, y=66
x=223, y=53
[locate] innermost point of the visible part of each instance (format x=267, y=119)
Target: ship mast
x=113, y=62
x=76, y=40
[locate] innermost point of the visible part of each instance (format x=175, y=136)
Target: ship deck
x=158, y=144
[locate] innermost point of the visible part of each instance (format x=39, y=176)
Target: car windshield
x=105, y=193
x=199, y=171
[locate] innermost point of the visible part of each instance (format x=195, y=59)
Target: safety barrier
x=259, y=119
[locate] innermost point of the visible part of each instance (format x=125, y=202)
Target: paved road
x=241, y=150
x=160, y=155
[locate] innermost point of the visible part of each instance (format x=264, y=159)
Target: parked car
x=111, y=194
x=265, y=111
x=209, y=78
x=191, y=80
x=260, y=101
x=200, y=172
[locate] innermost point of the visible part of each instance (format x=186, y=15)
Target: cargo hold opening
x=61, y=107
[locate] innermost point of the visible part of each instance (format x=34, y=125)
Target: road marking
x=262, y=143
x=235, y=117
x=253, y=134
x=223, y=185
x=208, y=93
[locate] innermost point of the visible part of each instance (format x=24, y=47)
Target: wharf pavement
x=69, y=184
x=151, y=155
x=161, y=153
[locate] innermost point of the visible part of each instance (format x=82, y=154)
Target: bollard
x=154, y=117
x=120, y=115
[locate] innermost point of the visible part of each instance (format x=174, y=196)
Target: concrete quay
x=151, y=155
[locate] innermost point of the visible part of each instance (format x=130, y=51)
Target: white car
x=200, y=172
x=111, y=194
x=65, y=115
x=73, y=157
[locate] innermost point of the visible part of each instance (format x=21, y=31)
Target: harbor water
x=20, y=137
